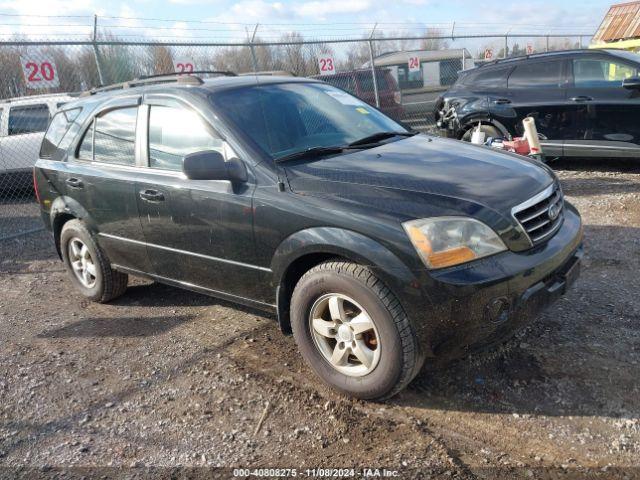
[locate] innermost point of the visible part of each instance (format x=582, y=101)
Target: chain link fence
x=402, y=76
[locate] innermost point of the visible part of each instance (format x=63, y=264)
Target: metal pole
x=506, y=46
x=547, y=48
x=464, y=59
x=95, y=50
x=253, y=50
x=373, y=67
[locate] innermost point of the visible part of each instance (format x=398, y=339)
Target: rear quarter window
x=59, y=126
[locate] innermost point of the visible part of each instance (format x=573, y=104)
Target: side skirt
x=265, y=307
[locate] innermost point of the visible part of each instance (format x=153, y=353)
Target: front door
x=606, y=112
x=199, y=232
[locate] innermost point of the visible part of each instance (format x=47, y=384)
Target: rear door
x=536, y=89
x=100, y=179
x=606, y=112
x=26, y=125
x=199, y=232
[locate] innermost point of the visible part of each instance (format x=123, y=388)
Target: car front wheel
x=353, y=332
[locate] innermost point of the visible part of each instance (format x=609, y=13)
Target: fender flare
x=484, y=119
x=339, y=242
x=332, y=241
x=64, y=206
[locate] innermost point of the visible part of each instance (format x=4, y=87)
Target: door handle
x=502, y=101
x=581, y=98
x=152, y=195
x=75, y=183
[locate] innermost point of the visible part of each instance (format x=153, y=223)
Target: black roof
x=557, y=53
x=168, y=83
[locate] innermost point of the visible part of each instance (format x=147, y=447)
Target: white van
x=23, y=122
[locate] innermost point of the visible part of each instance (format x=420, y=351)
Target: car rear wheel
x=489, y=131
x=88, y=266
x=353, y=332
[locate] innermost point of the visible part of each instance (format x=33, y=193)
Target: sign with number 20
x=39, y=73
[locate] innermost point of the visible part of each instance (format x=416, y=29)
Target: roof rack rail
x=41, y=95
x=182, y=78
x=532, y=55
x=224, y=73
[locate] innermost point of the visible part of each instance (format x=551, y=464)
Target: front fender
x=356, y=247
x=339, y=242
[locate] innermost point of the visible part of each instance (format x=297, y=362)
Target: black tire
x=109, y=284
x=399, y=359
x=489, y=131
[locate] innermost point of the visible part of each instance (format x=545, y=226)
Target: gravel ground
x=170, y=379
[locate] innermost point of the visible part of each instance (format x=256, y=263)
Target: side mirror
x=632, y=83
x=211, y=165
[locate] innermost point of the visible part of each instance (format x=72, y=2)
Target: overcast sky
x=330, y=15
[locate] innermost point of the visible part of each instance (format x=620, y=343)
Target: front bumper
x=486, y=301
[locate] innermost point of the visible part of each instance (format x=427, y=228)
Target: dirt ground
x=170, y=379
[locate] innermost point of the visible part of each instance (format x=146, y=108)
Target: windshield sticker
x=345, y=98
x=363, y=111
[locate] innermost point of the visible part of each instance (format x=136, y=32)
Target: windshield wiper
x=311, y=152
x=379, y=136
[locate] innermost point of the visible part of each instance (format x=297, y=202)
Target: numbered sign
x=39, y=72
x=414, y=64
x=488, y=54
x=326, y=65
x=530, y=49
x=183, y=65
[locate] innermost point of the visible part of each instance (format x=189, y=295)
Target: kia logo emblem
x=554, y=211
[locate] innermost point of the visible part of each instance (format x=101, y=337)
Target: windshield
x=292, y=117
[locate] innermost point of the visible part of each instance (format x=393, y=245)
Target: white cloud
x=320, y=9
x=50, y=7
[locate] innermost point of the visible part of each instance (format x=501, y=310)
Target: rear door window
x=537, y=75
x=175, y=133
x=111, y=138
x=600, y=73
x=115, y=137
x=28, y=119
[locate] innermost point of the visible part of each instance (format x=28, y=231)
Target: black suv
x=376, y=246
x=586, y=103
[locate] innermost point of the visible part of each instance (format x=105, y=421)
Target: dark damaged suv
x=379, y=248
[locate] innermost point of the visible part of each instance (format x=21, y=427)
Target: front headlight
x=447, y=241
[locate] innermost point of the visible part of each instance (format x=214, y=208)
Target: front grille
x=542, y=215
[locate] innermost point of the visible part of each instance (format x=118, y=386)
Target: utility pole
x=96, y=54
x=253, y=50
x=373, y=67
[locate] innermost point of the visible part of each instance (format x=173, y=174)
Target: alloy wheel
x=82, y=262
x=345, y=334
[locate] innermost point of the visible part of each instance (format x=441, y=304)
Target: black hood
x=446, y=169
